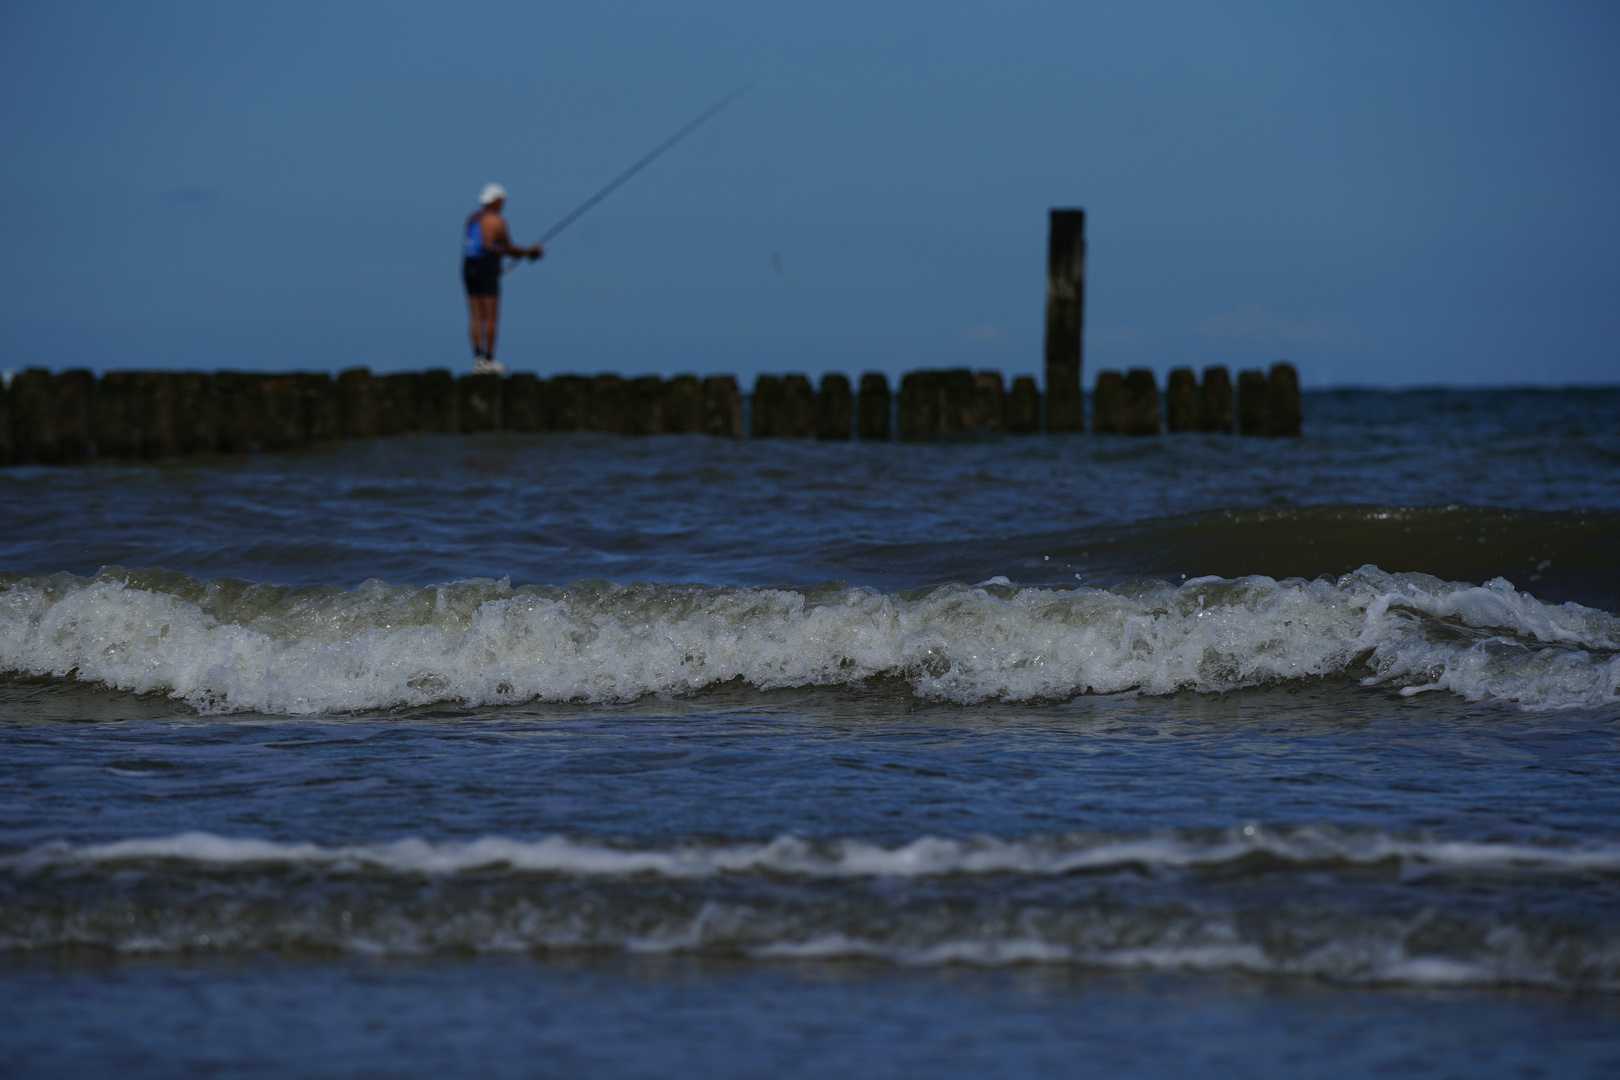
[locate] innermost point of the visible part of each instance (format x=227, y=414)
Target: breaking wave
x=1301, y=901
x=229, y=646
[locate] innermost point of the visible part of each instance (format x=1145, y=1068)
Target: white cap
x=491, y=193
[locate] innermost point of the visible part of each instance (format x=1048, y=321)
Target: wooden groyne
x=51, y=418
x=48, y=418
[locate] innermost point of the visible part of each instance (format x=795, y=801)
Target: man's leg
x=492, y=312
x=475, y=328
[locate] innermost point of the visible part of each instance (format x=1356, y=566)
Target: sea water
x=572, y=754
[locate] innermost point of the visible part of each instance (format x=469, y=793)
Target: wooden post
x=1141, y=402
x=280, y=412
x=1215, y=401
x=1024, y=406
x=835, y=407
x=51, y=416
x=156, y=397
x=1253, y=404
x=872, y=420
x=989, y=401
x=1181, y=400
x=75, y=401
x=319, y=400
x=722, y=406
x=6, y=452
x=237, y=411
x=570, y=396
x=523, y=403
x=33, y=418
x=478, y=402
x=1065, y=318
x=1108, y=404
x=1282, y=393
x=765, y=407
x=117, y=413
x=919, y=405
x=683, y=405
x=957, y=398
x=644, y=405
x=798, y=407
x=397, y=395
x=356, y=404
x=196, y=413
x=604, y=404
x=436, y=401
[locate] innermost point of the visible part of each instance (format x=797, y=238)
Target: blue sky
x=1386, y=194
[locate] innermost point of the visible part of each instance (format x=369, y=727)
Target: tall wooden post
x=1065, y=318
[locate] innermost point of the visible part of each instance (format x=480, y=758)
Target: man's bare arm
x=502, y=242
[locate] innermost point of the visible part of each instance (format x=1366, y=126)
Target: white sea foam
x=222, y=648
x=791, y=856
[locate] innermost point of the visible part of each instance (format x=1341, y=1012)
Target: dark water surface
x=572, y=754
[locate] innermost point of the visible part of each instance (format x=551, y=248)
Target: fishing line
x=647, y=159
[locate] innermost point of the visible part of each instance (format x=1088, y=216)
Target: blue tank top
x=472, y=245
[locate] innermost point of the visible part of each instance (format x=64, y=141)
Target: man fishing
x=484, y=243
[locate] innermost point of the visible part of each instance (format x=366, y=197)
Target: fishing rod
x=612, y=185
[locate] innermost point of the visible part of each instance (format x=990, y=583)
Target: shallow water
x=954, y=742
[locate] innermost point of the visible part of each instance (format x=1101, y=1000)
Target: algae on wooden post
x=356, y=404
x=989, y=401
x=1024, y=406
x=569, y=397
x=604, y=404
x=1215, y=401
x=436, y=404
x=196, y=413
x=51, y=416
x=1253, y=403
x=872, y=416
x=1141, y=402
x=396, y=396
x=1108, y=404
x=682, y=405
x=318, y=398
x=643, y=405
x=835, y=407
x=1282, y=396
x=522, y=407
x=480, y=402
x=765, y=407
x=113, y=418
x=1181, y=400
x=919, y=406
x=722, y=406
x=279, y=408
x=798, y=407
x=958, y=412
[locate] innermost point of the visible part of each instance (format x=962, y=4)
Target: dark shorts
x=482, y=275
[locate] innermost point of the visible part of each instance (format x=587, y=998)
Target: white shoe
x=485, y=366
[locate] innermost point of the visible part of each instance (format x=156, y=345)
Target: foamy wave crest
x=229, y=646
x=791, y=856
